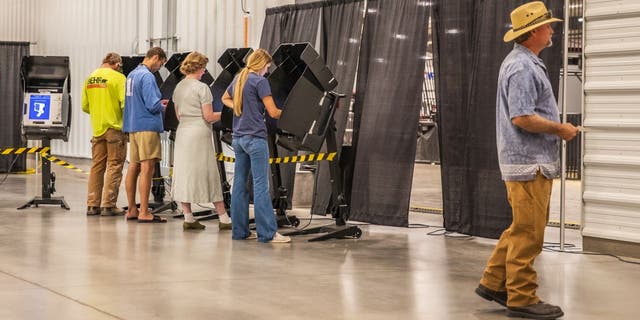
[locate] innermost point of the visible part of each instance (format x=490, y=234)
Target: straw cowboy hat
x=528, y=17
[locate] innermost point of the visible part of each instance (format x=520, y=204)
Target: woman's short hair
x=193, y=62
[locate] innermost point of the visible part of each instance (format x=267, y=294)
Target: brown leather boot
x=498, y=296
x=112, y=211
x=539, y=310
x=93, y=211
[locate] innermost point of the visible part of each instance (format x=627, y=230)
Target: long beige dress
x=195, y=171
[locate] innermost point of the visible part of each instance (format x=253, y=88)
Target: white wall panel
x=213, y=26
x=612, y=117
x=85, y=30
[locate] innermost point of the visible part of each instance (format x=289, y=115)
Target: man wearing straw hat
x=528, y=132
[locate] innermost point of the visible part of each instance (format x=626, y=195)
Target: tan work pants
x=108, y=153
x=510, y=267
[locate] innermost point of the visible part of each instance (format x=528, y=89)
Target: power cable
x=449, y=234
x=552, y=247
x=419, y=226
x=9, y=170
x=244, y=10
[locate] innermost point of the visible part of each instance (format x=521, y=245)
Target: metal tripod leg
x=331, y=232
x=48, y=186
x=47, y=201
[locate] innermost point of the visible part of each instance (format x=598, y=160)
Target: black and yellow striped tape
x=63, y=163
x=220, y=157
x=22, y=150
x=292, y=159
x=223, y=158
x=44, y=152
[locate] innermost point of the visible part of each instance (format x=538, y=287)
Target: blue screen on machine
x=40, y=107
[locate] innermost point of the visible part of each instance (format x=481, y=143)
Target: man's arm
x=151, y=95
x=537, y=124
x=121, y=88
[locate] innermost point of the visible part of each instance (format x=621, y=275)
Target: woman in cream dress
x=195, y=171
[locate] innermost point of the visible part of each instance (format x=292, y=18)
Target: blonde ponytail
x=237, y=91
x=256, y=62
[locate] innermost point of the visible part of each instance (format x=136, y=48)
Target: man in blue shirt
x=143, y=122
x=528, y=132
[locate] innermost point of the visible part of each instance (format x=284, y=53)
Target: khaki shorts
x=144, y=145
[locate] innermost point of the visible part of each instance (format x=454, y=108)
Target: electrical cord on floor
x=298, y=228
x=449, y=234
x=420, y=226
x=319, y=219
x=9, y=170
x=551, y=246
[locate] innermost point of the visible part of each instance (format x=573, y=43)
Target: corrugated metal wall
x=82, y=30
x=213, y=26
x=86, y=30
x=612, y=117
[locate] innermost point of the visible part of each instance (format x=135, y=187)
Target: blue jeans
x=252, y=154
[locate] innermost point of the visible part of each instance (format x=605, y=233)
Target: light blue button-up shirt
x=142, y=107
x=524, y=89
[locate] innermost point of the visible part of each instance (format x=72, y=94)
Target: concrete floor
x=426, y=192
x=58, y=264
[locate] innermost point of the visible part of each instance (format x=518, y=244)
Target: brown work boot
x=93, y=211
x=538, y=310
x=111, y=211
x=498, y=296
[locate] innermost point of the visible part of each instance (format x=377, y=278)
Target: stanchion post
x=563, y=178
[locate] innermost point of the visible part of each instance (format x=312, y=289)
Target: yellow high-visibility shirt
x=103, y=99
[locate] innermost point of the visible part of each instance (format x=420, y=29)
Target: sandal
x=155, y=219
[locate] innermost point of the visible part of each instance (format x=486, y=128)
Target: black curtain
x=290, y=23
x=467, y=55
x=11, y=100
x=341, y=34
x=387, y=107
x=286, y=24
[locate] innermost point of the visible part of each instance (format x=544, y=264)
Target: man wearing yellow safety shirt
x=103, y=100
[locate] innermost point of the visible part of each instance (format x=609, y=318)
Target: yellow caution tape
x=292, y=159
x=69, y=166
x=219, y=156
x=63, y=163
x=22, y=150
x=28, y=171
x=222, y=157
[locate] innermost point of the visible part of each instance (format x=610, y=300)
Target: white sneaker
x=252, y=236
x=278, y=238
